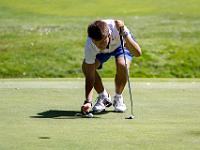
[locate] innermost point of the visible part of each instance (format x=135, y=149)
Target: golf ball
x=90, y=115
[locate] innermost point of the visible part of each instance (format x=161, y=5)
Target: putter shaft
x=127, y=74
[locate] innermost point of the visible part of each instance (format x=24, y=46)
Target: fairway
x=38, y=114
x=51, y=35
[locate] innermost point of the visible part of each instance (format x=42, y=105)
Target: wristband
x=86, y=101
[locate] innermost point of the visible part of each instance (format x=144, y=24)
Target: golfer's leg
x=98, y=85
x=120, y=82
x=121, y=77
x=103, y=99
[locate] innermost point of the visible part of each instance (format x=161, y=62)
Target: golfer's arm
x=89, y=80
x=133, y=46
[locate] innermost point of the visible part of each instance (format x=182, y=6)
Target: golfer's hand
x=119, y=25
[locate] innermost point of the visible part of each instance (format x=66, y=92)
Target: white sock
x=118, y=95
x=103, y=93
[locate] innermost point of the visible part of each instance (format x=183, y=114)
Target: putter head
x=130, y=117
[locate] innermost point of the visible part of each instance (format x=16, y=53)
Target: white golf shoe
x=103, y=101
x=118, y=104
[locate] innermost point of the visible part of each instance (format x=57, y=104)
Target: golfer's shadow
x=61, y=114
x=56, y=114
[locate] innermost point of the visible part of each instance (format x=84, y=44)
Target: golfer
x=103, y=41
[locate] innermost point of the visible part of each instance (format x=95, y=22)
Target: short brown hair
x=97, y=30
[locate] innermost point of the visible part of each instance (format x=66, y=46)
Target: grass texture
x=46, y=38
x=39, y=114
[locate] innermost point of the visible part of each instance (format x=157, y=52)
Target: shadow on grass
x=63, y=114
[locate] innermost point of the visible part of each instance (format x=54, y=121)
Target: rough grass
x=46, y=38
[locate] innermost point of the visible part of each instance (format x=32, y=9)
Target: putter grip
x=122, y=33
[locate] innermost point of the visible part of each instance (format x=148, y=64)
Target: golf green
x=38, y=114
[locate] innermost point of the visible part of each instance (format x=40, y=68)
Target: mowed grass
x=46, y=38
x=39, y=114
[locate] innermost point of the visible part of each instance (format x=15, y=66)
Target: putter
x=127, y=74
